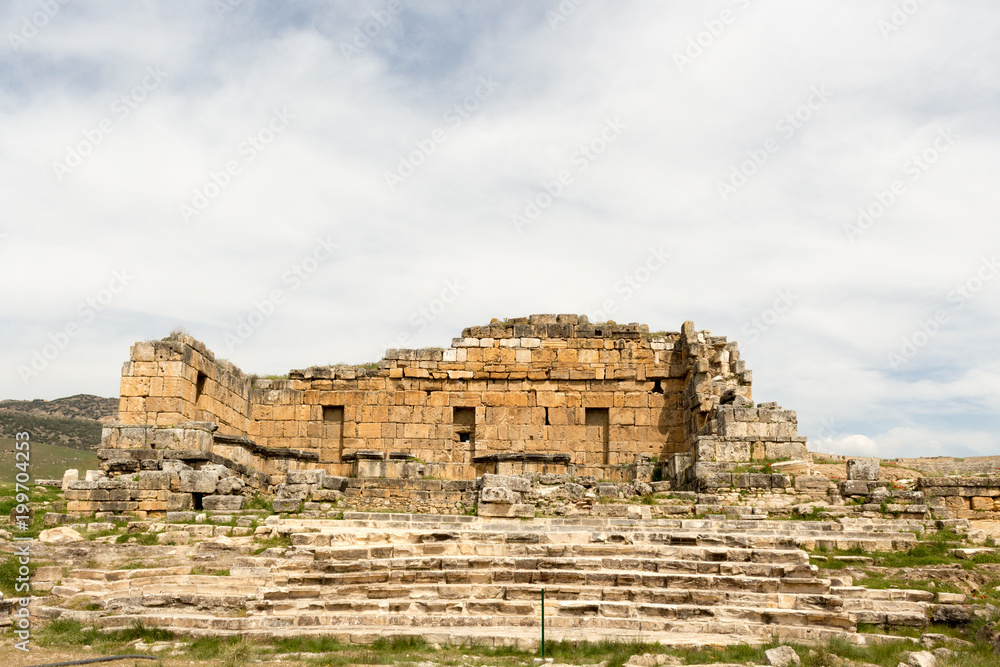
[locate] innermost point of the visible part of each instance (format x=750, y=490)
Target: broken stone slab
x=314, y=477
x=69, y=477
x=197, y=481
x=863, y=468
x=970, y=552
x=59, y=535
x=511, y=482
x=334, y=482
x=854, y=487
x=951, y=613
x=782, y=656
x=217, y=503
x=506, y=510
x=499, y=494
x=285, y=504
x=921, y=659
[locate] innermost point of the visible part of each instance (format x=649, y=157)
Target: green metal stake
x=543, y=624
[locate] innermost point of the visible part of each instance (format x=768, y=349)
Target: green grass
x=66, y=632
x=47, y=461
x=933, y=550
x=271, y=542
x=9, y=568
x=260, y=502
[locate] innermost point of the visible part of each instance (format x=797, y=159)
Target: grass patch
x=200, y=570
x=260, y=502
x=9, y=572
x=271, y=542
x=67, y=632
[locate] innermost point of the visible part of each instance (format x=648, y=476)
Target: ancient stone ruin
x=436, y=493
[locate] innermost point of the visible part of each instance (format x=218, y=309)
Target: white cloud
x=657, y=184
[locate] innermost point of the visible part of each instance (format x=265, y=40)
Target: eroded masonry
x=544, y=391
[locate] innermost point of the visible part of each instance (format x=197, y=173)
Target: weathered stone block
x=334, y=482
x=506, y=510
x=217, y=503
x=499, y=494
x=69, y=477
x=314, y=477
x=854, y=488
x=511, y=482
x=285, y=505
x=179, y=501
x=863, y=468
x=196, y=481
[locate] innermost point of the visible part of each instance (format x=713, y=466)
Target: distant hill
x=74, y=421
x=80, y=406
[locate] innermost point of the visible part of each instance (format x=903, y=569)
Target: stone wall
x=605, y=394
x=963, y=497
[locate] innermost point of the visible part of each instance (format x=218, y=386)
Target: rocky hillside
x=74, y=421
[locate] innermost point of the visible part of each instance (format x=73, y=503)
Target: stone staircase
x=455, y=579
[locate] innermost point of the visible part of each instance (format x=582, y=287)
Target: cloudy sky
x=304, y=183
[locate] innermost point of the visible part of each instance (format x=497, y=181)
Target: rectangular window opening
x=463, y=421
x=199, y=386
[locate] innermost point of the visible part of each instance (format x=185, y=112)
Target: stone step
x=888, y=594
x=804, y=585
x=447, y=594
x=659, y=618
x=646, y=551
x=815, y=539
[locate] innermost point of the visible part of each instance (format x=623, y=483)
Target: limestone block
x=854, y=488
x=511, y=482
x=506, y=510
x=782, y=656
x=197, y=481
x=173, y=537
x=60, y=535
x=334, y=482
x=150, y=479
x=70, y=476
x=863, y=468
x=785, y=450
x=981, y=503
x=811, y=483
x=179, y=502
x=217, y=503
x=288, y=505
x=94, y=475
x=499, y=494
